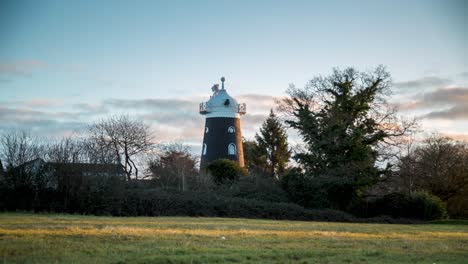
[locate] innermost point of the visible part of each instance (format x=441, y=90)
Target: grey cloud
x=251, y=120
x=426, y=82
x=44, y=127
x=443, y=103
x=43, y=102
x=464, y=75
x=41, y=123
x=254, y=102
x=28, y=116
x=258, y=103
x=413, y=105
x=163, y=104
x=257, y=98
x=90, y=109
x=188, y=133
x=169, y=118
x=447, y=96
x=454, y=113
x=174, y=118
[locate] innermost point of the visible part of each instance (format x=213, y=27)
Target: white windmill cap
x=221, y=104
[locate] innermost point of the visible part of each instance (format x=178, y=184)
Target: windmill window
x=226, y=102
x=204, y=149
x=231, y=129
x=232, y=149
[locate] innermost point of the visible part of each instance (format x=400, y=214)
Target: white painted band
x=223, y=114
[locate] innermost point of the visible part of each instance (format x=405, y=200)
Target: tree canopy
x=347, y=126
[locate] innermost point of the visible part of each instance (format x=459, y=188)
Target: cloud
x=90, y=109
x=454, y=113
x=50, y=124
x=169, y=119
x=411, y=105
x=43, y=102
x=464, y=75
x=160, y=104
x=258, y=103
x=423, y=83
x=18, y=115
x=174, y=112
x=447, y=96
x=443, y=103
x=21, y=67
x=178, y=119
x=438, y=97
x=13, y=113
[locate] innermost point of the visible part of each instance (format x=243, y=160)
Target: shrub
x=254, y=187
x=304, y=190
x=158, y=202
x=224, y=170
x=419, y=205
x=429, y=206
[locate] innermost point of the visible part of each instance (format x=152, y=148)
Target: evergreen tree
x=344, y=121
x=255, y=162
x=273, y=145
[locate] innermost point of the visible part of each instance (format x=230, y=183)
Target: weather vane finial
x=222, y=81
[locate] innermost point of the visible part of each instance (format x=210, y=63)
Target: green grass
x=55, y=238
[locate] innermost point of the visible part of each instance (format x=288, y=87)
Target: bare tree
x=18, y=147
x=439, y=165
x=126, y=138
x=66, y=150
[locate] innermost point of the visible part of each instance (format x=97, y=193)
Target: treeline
x=356, y=163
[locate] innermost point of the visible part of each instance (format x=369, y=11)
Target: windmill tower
x=222, y=135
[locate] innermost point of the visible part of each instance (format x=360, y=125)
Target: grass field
x=54, y=238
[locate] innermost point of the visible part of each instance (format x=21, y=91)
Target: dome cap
x=221, y=104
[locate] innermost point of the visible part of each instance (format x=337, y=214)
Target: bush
x=254, y=187
x=429, y=206
x=158, y=202
x=304, y=190
x=224, y=171
x=419, y=205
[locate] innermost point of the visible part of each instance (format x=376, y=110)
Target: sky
x=65, y=64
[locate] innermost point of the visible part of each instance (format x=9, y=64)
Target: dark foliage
x=248, y=198
x=255, y=162
x=419, y=205
x=439, y=166
x=272, y=144
x=174, y=169
x=225, y=171
x=344, y=122
x=305, y=190
x=262, y=188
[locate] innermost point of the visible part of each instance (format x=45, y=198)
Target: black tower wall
x=217, y=138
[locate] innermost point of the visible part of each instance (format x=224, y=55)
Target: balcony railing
x=203, y=108
x=241, y=108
